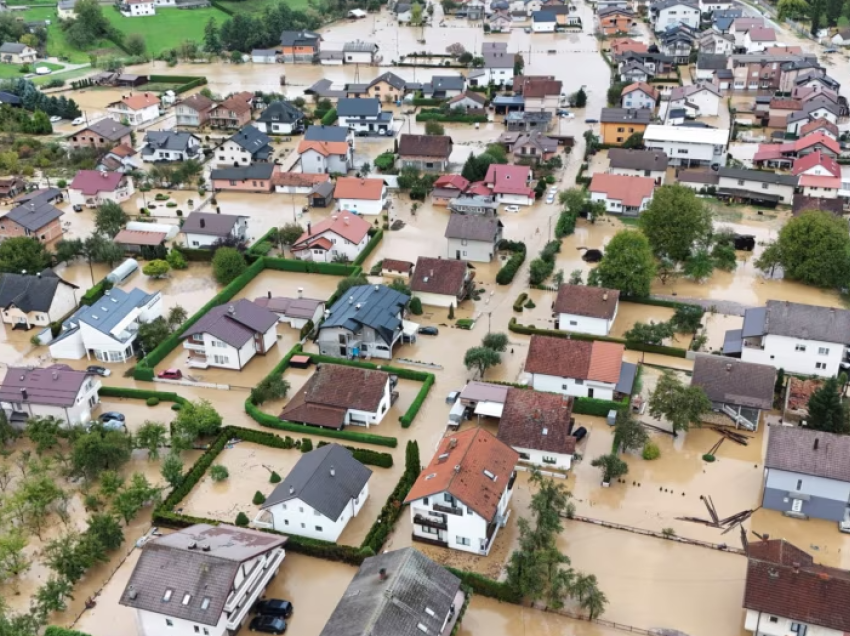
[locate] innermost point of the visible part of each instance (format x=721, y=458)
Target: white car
x=55, y=118
x=550, y=198
x=42, y=70
x=78, y=121
x=512, y=208
x=553, y=190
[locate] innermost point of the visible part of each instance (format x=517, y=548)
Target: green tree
x=675, y=221
x=172, y=469
x=350, y=281
x=612, y=467
x=133, y=497
x=434, y=128
x=88, y=26
x=177, y=315
x=770, y=259
x=151, y=436
x=793, y=9
x=99, y=249
x=495, y=341
x=573, y=200
x=242, y=520
x=415, y=306
x=69, y=556
x=43, y=432
x=105, y=529
x=8, y=432
x=135, y=44
x=220, y=473
x=680, y=405
x=152, y=333
x=416, y=14
x=49, y=598
x=100, y=450
x=290, y=233
x=594, y=602
x=629, y=433
x=109, y=219
x=194, y=420
x=23, y=254
x=176, y=259
x=826, y=410
x=228, y=264
x=481, y=358
x=581, y=98
x=110, y=482
x=212, y=42
x=816, y=15
x=815, y=249
x=634, y=141
x=156, y=269
x=699, y=265
x=627, y=265
x=13, y=559
x=68, y=249
x=270, y=388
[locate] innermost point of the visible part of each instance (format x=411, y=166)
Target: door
x=590, y=393
x=457, y=254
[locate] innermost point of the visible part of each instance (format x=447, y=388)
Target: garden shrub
x=274, y=478
x=708, y=457
x=219, y=473
x=651, y=451
x=242, y=520
x=465, y=323
x=306, y=445
x=520, y=301
x=152, y=401
x=259, y=498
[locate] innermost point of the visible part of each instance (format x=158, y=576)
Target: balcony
x=431, y=522
x=450, y=510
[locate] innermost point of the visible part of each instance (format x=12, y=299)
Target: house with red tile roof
x=135, y=109
x=622, y=194
x=579, y=368
x=537, y=426
x=585, y=309
x=90, y=188
x=360, y=195
x=820, y=126
x=448, y=187
x=441, y=282
x=639, y=95
x=627, y=45
x=509, y=184
x=233, y=112
x=460, y=501
x=784, y=155
x=343, y=235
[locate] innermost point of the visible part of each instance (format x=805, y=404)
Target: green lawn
x=168, y=28
x=56, y=44
x=255, y=6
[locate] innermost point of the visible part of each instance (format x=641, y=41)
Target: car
x=79, y=121
x=566, y=114
x=591, y=121
x=111, y=415
x=97, y=370
x=170, y=374
x=830, y=50
x=844, y=526
x=274, y=607
x=512, y=208
x=268, y=624
x=77, y=208
x=550, y=198
x=55, y=118
x=527, y=29
x=42, y=70
x=428, y=331
x=553, y=190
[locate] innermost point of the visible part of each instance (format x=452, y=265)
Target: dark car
x=580, y=433
x=428, y=331
x=591, y=121
x=99, y=371
x=111, y=416
x=268, y=625
x=274, y=607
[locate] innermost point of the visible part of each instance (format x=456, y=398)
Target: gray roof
x=733, y=342
x=326, y=479
x=731, y=381
x=12, y=47
x=508, y=100
x=322, y=88
x=30, y=292
x=35, y=209
x=543, y=16
x=379, y=305
x=250, y=139
x=280, y=111
x=241, y=173
x=291, y=38
x=359, y=46
x=358, y=106
x=498, y=59
x=264, y=53
x=762, y=176
x=168, y=563
x=807, y=322
x=112, y=308
x=473, y=228
x=527, y=116
x=626, y=115
x=397, y=604
x=290, y=307
x=754, y=322
x=234, y=323
x=444, y=83
x=67, y=4
x=108, y=129
x=637, y=159
x=212, y=224
x=326, y=133
x=666, y=4
x=323, y=189
x=167, y=140
x=626, y=382
x=390, y=78
x=57, y=385
x=793, y=448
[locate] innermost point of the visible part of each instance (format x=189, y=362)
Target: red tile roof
x=582, y=300
x=641, y=86
x=621, y=45
x=139, y=237
x=786, y=104
x=141, y=100
x=537, y=421
x=458, y=468
x=393, y=265
x=438, y=276
x=354, y=188
x=578, y=359
x=508, y=179
x=814, y=181
x=629, y=190
x=816, y=158
x=541, y=88
x=94, y=181
x=345, y=224
x=324, y=148
x=123, y=150
x=451, y=181
x=298, y=179
x=238, y=103
x=807, y=142
x=817, y=124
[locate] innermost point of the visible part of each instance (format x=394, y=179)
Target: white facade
x=363, y=206
x=118, y=195
x=436, y=300
x=707, y=6
x=803, y=357
x=686, y=146
x=225, y=356
x=659, y=176
x=545, y=459
x=586, y=324
x=498, y=76
x=638, y=99
x=515, y=199
x=762, y=624
x=469, y=250
x=64, y=301
x=677, y=14
x=231, y=154
x=339, y=247
x=137, y=9
x=543, y=27
x=707, y=103
x=206, y=240
x=371, y=123
x=314, y=162
x=296, y=517
x=165, y=154
x=785, y=192
x=758, y=46
x=615, y=206
x=134, y=117
x=80, y=412
x=573, y=387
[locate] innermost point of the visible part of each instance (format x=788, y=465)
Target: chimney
x=103, y=174
x=132, y=593
x=382, y=574
x=728, y=367
x=345, y=218
x=291, y=490
x=351, y=300
x=300, y=292
x=205, y=547
x=817, y=443
x=203, y=223
x=55, y=376
x=270, y=295
x=796, y=566
x=308, y=228
x=24, y=395
x=38, y=275
x=231, y=309
x=605, y=295
x=453, y=442
x=333, y=471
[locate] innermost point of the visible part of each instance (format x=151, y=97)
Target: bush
x=274, y=478
x=329, y=117
x=219, y=473
x=597, y=407
x=228, y=265
x=708, y=457
x=465, y=323
x=407, y=419
x=306, y=445
x=506, y=274
x=520, y=301
x=415, y=306
x=530, y=304
x=651, y=451
x=242, y=520
x=370, y=247
x=259, y=498
x=152, y=401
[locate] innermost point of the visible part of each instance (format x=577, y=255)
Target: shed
x=322, y=194
x=140, y=226
x=135, y=240
x=121, y=273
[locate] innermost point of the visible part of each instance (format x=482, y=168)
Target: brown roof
x=537, y=421
x=475, y=97
x=817, y=125
x=808, y=452
x=439, y=146
x=141, y=100
x=56, y=385
x=473, y=227
x=783, y=580
x=123, y=150
x=593, y=302
x=630, y=190
x=392, y=265
x=731, y=381
x=641, y=86
x=298, y=179
x=347, y=225
x=786, y=104
x=458, y=467
x=541, y=88
x=521, y=80
x=578, y=359
x=354, y=188
x=438, y=276
x=197, y=102
x=139, y=237
x=238, y=103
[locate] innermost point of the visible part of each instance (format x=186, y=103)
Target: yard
x=57, y=45
x=256, y=6
x=168, y=28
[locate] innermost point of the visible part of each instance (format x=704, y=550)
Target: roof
x=807, y=322
x=13, y=47
x=392, y=594
x=541, y=87
x=208, y=223
x=582, y=300
x=628, y=189
x=358, y=106
x=326, y=133
x=300, y=179
x=90, y=182
x=390, y=78
x=233, y=323
x=537, y=421
x=348, y=225
x=122, y=150
x=484, y=392
x=280, y=111
x=684, y=134
x=473, y=227
x=508, y=179
x=326, y=479
x=817, y=124
x=535, y=138
x=290, y=307
x=110, y=310
x=139, y=237
x=782, y=580
x=451, y=181
x=814, y=181
x=786, y=104
x=324, y=148
x=438, y=276
x=139, y=101
x=478, y=98
x=818, y=138
x=761, y=176
x=498, y=59
x=242, y=173
x=359, y=46
x=250, y=139
x=374, y=306
x=653, y=160
x=666, y=4
x=578, y=359
x=761, y=34
x=57, y=385
x=108, y=129
x=623, y=115
x=359, y=188
x=35, y=210
x=238, y=102
x=394, y=265
x=291, y=38
x=439, y=146
x=264, y=52
x=683, y=92
x=168, y=563
x=808, y=452
x=731, y=381
x=167, y=140
x=543, y=16
x=816, y=158
x=460, y=467
x=197, y=102
x=640, y=86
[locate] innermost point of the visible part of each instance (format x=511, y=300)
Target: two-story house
x=107, y=329
x=366, y=321
x=194, y=111
x=537, y=426
x=448, y=187
x=364, y=115
x=90, y=188
x=35, y=300
x=233, y=112
x=738, y=390
x=542, y=95
x=442, y=282
x=300, y=46
x=622, y=194
x=639, y=95
x=387, y=84
x=17, y=53
x=816, y=175
x=461, y=499
x=472, y=237
x=135, y=109
x=202, y=579
x=229, y=336
x=498, y=69
x=256, y=177
x=326, y=150
x=280, y=118
x=205, y=229
x=638, y=163
x=687, y=146
x=360, y=196
x=698, y=100
x=613, y=20
x=758, y=39
x=341, y=236
x=618, y=124
x=170, y=146
x=325, y=489
x=56, y=391
x=136, y=8
x=756, y=185
x=245, y=147
x=424, y=152
x=714, y=42
x=509, y=184
x=34, y=215
x=669, y=13
x=101, y=134
x=802, y=339
x=585, y=309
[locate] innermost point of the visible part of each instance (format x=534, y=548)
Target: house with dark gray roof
x=256, y=177
x=229, y=336
x=444, y=86
x=807, y=473
x=398, y=593
x=196, y=578
x=761, y=187
x=35, y=300
x=247, y=146
x=325, y=490
x=56, y=391
x=280, y=118
x=368, y=320
x=17, y=53
x=300, y=46
x=473, y=238
x=638, y=163
x=326, y=133
x=204, y=229
x=801, y=339
x=364, y=115
x=34, y=215
x=739, y=390
x=170, y=146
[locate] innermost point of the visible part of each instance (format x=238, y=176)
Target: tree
x=495, y=341
x=434, y=128
x=110, y=482
x=43, y=432
x=629, y=433
x=816, y=15
x=99, y=249
x=23, y=254
x=99, y=450
x=416, y=14
x=156, y=269
x=133, y=497
x=68, y=249
x=687, y=318
x=259, y=498
x=242, y=520
x=770, y=259
x=519, y=64
x=415, y=306
x=675, y=221
x=50, y=598
x=228, y=264
x=270, y=388
x=481, y=358
x=135, y=44
x=290, y=233
x=151, y=436
x=814, y=248
x=793, y=9
x=176, y=259
x=13, y=560
x=8, y=432
x=826, y=410
x=70, y=556
x=109, y=219
x=152, y=333
x=627, y=265
x=594, y=602
x=465, y=58
x=172, y=469
x=220, y=473
x=105, y=529
x=177, y=315
x=350, y=281
x=612, y=467
x=635, y=140
x=194, y=420
x=573, y=200
x=680, y=405
x=88, y=26
x=581, y=98
x=699, y=265
x=212, y=42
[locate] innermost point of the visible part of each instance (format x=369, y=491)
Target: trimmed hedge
x=265, y=238
x=367, y=456
x=306, y=267
x=407, y=419
x=520, y=301
x=53, y=630
x=189, y=82
x=195, y=255
x=141, y=394
x=452, y=118
x=505, y=275
x=370, y=247
x=480, y=584
x=428, y=101
x=93, y=294
x=390, y=513
x=594, y=406
x=329, y=117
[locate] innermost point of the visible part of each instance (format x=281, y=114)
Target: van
x=456, y=414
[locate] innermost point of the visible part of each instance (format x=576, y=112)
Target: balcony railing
x=439, y=523
x=451, y=510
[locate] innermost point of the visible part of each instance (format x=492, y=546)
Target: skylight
x=205, y=603
x=167, y=596
x=186, y=598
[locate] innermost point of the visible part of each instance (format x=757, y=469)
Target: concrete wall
x=569, y=386
x=586, y=324
x=781, y=352
x=467, y=250
x=297, y=517
x=535, y=456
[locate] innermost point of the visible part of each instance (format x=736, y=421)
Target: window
x=283, y=506
x=797, y=505
x=197, y=629
x=740, y=182
x=765, y=186
x=167, y=596
x=447, y=497
x=799, y=484
x=573, y=323
x=427, y=530
x=300, y=509
x=799, y=628
x=823, y=351
x=820, y=365
x=205, y=603
x=316, y=513
x=286, y=522
x=462, y=541
x=563, y=387
x=682, y=151
x=799, y=347
x=303, y=526
x=774, y=619
x=221, y=359
x=318, y=528
x=186, y=598
x=579, y=381
x=169, y=622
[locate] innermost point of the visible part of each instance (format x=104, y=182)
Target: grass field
x=255, y=6
x=56, y=44
x=168, y=28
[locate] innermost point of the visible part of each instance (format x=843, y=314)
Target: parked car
x=550, y=198
x=591, y=121
x=78, y=121
x=428, y=331
x=170, y=374
x=42, y=70
x=580, y=433
x=274, y=607
x=111, y=415
x=98, y=370
x=512, y=208
x=78, y=208
x=553, y=190
x=55, y=118
x=268, y=625
x=844, y=526
x=566, y=114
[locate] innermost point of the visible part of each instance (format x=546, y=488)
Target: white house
x=360, y=195
x=704, y=99
x=106, y=330
x=201, y=580
x=326, y=149
x=90, y=188
x=325, y=489
x=473, y=238
x=758, y=39
x=359, y=52
x=537, y=426
x=66, y=9
x=461, y=499
x=245, y=147
x=670, y=13
x=171, y=146
x=204, y=229
x=576, y=367
x=280, y=118
x=295, y=312
x=713, y=42
x=498, y=69
x=710, y=6
x=35, y=300
x=509, y=184
x=56, y=391
x=638, y=163
x=135, y=109
x=760, y=184
x=639, y=95
x=586, y=309
x=265, y=56
x=543, y=22
x=364, y=114
x=135, y=8
x=16, y=53
x=229, y=336
x=342, y=235
x=687, y=146
x=622, y=194
x=440, y=282
x=801, y=339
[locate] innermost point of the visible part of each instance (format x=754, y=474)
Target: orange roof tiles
x=354, y=188
x=324, y=148
x=629, y=190
x=141, y=100
x=578, y=359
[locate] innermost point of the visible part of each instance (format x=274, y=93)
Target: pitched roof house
x=586, y=309
x=639, y=95
x=472, y=237
x=245, y=147
x=440, y=282
x=740, y=390
x=638, y=163
x=137, y=108
x=537, y=426
x=297, y=312
x=56, y=391
x=622, y=194
x=280, y=118
x=361, y=195
x=508, y=184
x=194, y=110
x=34, y=216
x=105, y=132
x=425, y=152
x=203, y=229
x=233, y=112
x=90, y=188
x=447, y=187
x=340, y=235
x=30, y=300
